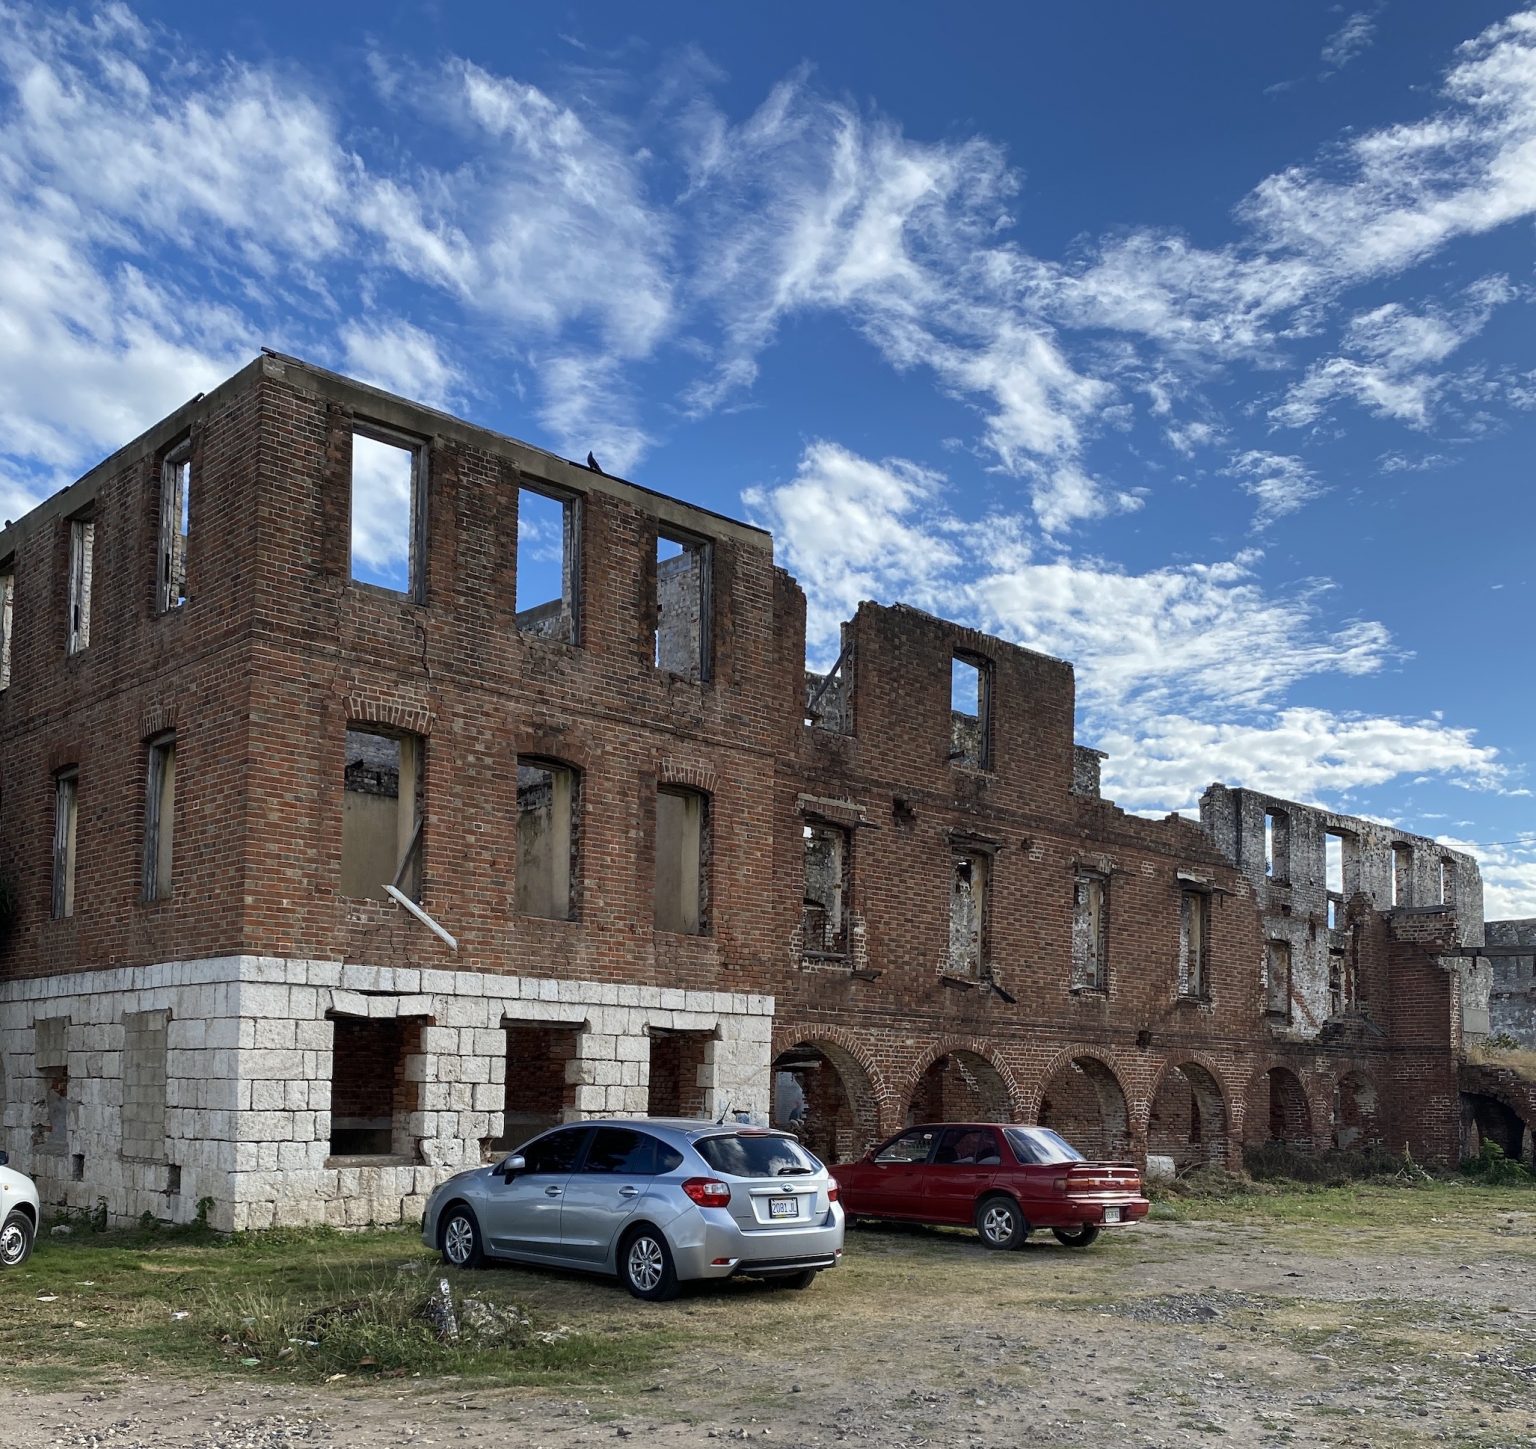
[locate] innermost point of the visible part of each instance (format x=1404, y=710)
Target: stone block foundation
x=158, y=1088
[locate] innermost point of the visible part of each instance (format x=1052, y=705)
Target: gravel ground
x=1178, y=1334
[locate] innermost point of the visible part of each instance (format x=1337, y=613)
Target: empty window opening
x=1334, y=847
x=1447, y=882
x=968, y=912
x=824, y=905
x=1277, y=845
x=82, y=547
x=546, y=838
x=7, y=615
x=66, y=811
x=970, y=697
x=681, y=643
x=546, y=565
x=540, y=1081
x=373, y=1091
x=1194, y=944
x=144, y=1064
x=1402, y=875
x=387, y=511
x=50, y=1132
x=175, y=515
x=1277, y=979
x=682, y=861
x=680, y=1062
x=1341, y=983
x=1090, y=932
x=829, y=696
x=381, y=815
x=159, y=817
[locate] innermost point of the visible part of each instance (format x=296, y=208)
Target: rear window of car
x=755, y=1155
x=1040, y=1146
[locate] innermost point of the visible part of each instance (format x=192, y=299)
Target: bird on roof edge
x=592, y=463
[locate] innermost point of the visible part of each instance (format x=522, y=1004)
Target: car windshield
x=1041, y=1146
x=744, y=1154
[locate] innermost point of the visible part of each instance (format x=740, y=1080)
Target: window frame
x=80, y=583
x=415, y=591
x=703, y=925
x=175, y=532
x=1195, y=968
x=704, y=547
x=66, y=827
x=571, y=504
x=159, y=835
x=7, y=618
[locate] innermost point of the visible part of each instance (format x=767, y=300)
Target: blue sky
x=1193, y=344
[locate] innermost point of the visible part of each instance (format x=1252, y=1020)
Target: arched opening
x=1285, y=1113
x=1083, y=1102
x=1356, y=1118
x=1487, y=1119
x=1189, y=1117
x=960, y=1086
x=823, y=1095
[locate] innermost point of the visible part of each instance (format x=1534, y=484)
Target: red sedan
x=1003, y=1180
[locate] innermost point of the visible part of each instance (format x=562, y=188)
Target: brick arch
x=1280, y=1106
x=870, y=1100
x=997, y=1088
x=691, y=774
x=1082, y=1095
x=1355, y=1115
x=1193, y=1129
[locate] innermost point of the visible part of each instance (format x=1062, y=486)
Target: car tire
x=460, y=1237
x=1083, y=1237
x=16, y=1241
x=1000, y=1224
x=646, y=1267
x=798, y=1280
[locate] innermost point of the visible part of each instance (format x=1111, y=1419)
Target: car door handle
x=629, y=1192
x=551, y=1192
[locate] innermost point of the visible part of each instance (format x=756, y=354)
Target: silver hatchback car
x=658, y=1202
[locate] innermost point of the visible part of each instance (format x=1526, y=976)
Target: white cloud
x=588, y=404
x=1281, y=484
x=398, y=356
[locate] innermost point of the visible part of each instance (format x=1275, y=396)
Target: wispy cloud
x=1352, y=39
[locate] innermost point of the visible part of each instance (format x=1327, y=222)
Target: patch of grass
x=1504, y=1051
x=308, y=1304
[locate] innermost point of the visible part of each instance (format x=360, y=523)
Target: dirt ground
x=1172, y=1333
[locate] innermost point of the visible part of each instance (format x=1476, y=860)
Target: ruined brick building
x=325, y=881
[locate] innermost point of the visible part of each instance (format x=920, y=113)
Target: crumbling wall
x=1512, y=981
x=1281, y=846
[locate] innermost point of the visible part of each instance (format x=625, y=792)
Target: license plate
x=1111, y=1215
x=783, y=1207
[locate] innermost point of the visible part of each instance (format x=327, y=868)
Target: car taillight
x=832, y=1192
x=708, y=1191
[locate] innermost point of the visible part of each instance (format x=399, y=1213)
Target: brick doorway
x=1189, y=1118
x=1084, y=1103
x=823, y=1096
x=960, y=1086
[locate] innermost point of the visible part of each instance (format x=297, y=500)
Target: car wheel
x=798, y=1280
x=1083, y=1237
x=461, y=1239
x=999, y=1223
x=15, y=1241
x=645, y=1265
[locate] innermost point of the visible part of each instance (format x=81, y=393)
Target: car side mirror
x=510, y=1165
x=5, y=1157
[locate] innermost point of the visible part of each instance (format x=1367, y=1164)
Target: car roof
x=688, y=1126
